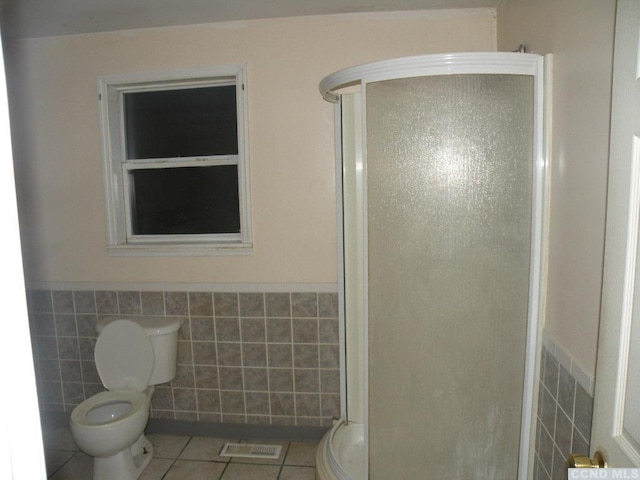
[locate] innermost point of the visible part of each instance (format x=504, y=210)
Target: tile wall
x=565, y=409
x=243, y=357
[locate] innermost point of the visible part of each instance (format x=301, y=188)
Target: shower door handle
x=582, y=461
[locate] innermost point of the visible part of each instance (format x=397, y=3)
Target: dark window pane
x=186, y=200
x=181, y=123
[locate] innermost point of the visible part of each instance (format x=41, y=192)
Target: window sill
x=179, y=250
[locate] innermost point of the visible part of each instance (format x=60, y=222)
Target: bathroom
x=293, y=266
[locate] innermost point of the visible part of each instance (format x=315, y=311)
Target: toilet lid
x=124, y=356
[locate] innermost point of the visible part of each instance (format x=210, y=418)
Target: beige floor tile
x=167, y=446
x=239, y=471
x=205, y=449
x=156, y=469
x=60, y=439
x=298, y=473
x=47, y=428
x=302, y=454
x=54, y=459
x=80, y=467
x=198, y=457
x=193, y=470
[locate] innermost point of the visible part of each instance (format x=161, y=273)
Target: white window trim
x=120, y=242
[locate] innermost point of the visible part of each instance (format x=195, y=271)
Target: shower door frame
x=497, y=63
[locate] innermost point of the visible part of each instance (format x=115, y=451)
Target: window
x=176, y=166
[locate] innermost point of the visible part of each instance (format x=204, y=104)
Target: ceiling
x=41, y=18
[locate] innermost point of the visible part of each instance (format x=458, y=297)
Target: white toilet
x=130, y=357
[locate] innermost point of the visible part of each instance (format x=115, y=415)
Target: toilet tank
x=163, y=334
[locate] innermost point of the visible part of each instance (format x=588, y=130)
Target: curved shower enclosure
x=441, y=175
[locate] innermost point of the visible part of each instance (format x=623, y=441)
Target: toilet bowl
x=110, y=425
x=106, y=423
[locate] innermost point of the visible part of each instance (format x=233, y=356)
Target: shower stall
x=441, y=168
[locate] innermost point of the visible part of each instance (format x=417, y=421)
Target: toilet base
x=127, y=464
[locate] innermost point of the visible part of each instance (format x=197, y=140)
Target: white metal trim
x=536, y=275
x=219, y=240
x=149, y=249
x=172, y=76
x=428, y=65
x=342, y=338
x=244, y=181
x=177, y=162
x=112, y=188
x=365, y=274
x=164, y=85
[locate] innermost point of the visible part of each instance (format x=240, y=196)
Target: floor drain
x=250, y=450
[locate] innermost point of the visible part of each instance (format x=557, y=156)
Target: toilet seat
x=137, y=400
x=124, y=356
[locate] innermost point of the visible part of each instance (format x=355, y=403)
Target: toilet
x=131, y=357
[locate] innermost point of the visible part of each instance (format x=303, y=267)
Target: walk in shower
x=441, y=167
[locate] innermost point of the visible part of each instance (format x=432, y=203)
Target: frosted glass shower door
x=449, y=209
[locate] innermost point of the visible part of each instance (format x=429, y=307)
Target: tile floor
x=181, y=457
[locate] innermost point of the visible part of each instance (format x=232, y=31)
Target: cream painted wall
x=579, y=33
x=53, y=92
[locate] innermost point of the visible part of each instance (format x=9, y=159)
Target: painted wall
x=579, y=33
x=53, y=92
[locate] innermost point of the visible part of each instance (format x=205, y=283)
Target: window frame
x=118, y=186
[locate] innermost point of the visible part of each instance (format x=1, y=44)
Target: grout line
x=193, y=361
x=63, y=464
x=557, y=411
x=244, y=389
x=293, y=363
x=266, y=357
x=284, y=460
x=174, y=460
x=217, y=366
x=75, y=323
x=55, y=333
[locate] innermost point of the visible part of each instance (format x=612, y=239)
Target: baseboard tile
x=234, y=430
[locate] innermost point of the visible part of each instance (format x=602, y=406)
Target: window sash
x=131, y=165
x=163, y=87
x=120, y=239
